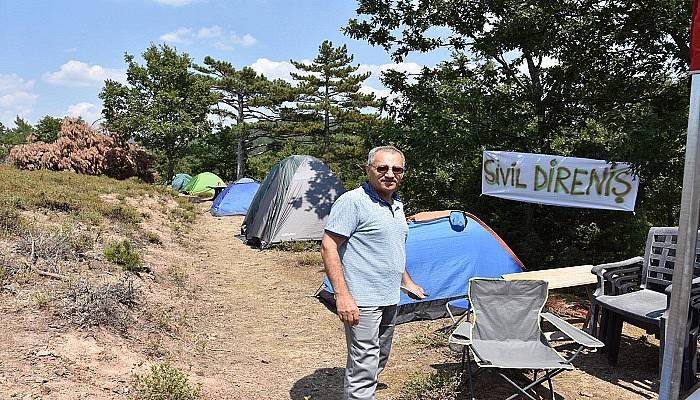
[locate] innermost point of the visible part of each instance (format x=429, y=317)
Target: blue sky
x=56, y=54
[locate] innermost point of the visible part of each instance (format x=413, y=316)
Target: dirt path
x=243, y=323
x=268, y=337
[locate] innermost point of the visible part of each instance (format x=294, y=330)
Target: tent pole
x=677, y=321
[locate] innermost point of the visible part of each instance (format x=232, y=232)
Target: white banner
x=559, y=181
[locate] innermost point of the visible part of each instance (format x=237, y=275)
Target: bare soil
x=243, y=323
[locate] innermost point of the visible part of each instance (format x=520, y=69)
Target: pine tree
x=329, y=93
x=252, y=102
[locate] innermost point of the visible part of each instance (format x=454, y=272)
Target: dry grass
x=106, y=305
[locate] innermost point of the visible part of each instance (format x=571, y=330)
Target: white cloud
x=174, y=3
x=274, y=69
x=181, y=35
x=214, y=31
x=246, y=40
x=88, y=111
x=16, y=97
x=213, y=35
x=79, y=74
x=377, y=70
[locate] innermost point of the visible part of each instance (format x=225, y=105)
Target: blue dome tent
x=235, y=199
x=444, y=249
x=180, y=181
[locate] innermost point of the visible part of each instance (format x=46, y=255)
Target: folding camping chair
x=505, y=334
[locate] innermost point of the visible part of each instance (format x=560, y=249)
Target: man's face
x=383, y=174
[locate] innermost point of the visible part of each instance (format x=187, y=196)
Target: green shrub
x=81, y=243
x=122, y=253
x=153, y=237
x=11, y=222
x=125, y=214
x=441, y=385
x=165, y=382
x=298, y=246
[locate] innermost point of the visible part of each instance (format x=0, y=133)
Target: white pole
x=676, y=324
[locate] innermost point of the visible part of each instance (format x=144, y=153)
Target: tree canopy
x=164, y=106
x=589, y=79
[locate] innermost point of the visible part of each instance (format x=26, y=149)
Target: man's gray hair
x=390, y=149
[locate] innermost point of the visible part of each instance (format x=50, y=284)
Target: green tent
x=199, y=185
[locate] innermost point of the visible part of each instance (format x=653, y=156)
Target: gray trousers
x=369, y=344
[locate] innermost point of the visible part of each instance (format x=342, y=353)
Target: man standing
x=364, y=254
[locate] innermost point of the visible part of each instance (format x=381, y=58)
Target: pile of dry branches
x=82, y=149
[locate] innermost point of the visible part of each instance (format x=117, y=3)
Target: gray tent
x=292, y=202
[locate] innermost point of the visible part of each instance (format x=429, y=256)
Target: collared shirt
x=374, y=254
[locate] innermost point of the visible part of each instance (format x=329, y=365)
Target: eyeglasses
x=383, y=169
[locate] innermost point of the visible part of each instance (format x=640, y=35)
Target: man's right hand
x=347, y=310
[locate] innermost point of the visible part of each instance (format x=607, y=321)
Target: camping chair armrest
x=571, y=331
x=460, y=337
x=602, y=269
x=463, y=333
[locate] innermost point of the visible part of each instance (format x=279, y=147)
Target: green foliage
x=297, y=246
x=164, y=106
x=254, y=104
x=153, y=238
x=124, y=214
x=11, y=221
x=14, y=136
x=164, y=382
x=48, y=128
x=122, y=253
x=546, y=91
x=441, y=385
x=335, y=111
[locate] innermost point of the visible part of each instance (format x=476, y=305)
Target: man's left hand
x=415, y=289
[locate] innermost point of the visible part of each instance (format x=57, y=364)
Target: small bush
x=42, y=298
x=299, y=246
x=122, y=253
x=441, y=385
x=153, y=238
x=11, y=222
x=46, y=245
x=81, y=243
x=124, y=214
x=105, y=305
x=165, y=382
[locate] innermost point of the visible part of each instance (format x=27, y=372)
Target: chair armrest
x=694, y=283
x=601, y=268
x=463, y=332
x=571, y=331
x=461, y=336
x=603, y=271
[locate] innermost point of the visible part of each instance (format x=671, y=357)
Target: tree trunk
x=171, y=167
x=240, y=150
x=537, y=100
x=240, y=157
x=326, y=122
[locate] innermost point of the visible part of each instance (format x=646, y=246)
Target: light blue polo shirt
x=374, y=254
